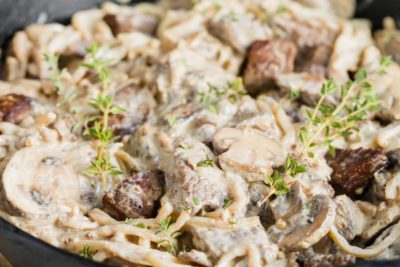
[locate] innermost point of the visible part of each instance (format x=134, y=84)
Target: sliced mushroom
x=306, y=227
x=134, y=197
x=250, y=153
x=284, y=207
x=37, y=180
x=13, y=107
x=349, y=221
x=353, y=169
x=266, y=60
x=123, y=23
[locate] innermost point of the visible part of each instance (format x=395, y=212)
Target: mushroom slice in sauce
x=37, y=180
x=353, y=169
x=134, y=197
x=250, y=153
x=306, y=227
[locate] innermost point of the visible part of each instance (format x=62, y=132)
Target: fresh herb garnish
x=99, y=65
x=329, y=121
x=196, y=201
x=87, y=252
x=168, y=239
x=206, y=163
x=227, y=202
x=52, y=61
x=97, y=126
x=232, y=90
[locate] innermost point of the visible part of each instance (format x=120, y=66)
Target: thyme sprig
x=169, y=239
x=99, y=65
x=232, y=90
x=208, y=162
x=278, y=186
x=357, y=98
x=56, y=73
x=327, y=122
x=97, y=126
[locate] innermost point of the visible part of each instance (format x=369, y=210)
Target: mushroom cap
x=249, y=152
x=37, y=179
x=307, y=231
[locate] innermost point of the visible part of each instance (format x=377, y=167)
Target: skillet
x=20, y=248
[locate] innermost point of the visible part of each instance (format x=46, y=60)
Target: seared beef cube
x=13, y=107
x=135, y=197
x=354, y=168
x=266, y=60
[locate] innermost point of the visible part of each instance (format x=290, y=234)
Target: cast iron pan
x=23, y=250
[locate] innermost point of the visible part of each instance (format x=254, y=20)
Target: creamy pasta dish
x=205, y=133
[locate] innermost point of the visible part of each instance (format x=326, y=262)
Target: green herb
x=185, y=147
x=168, y=239
x=227, y=202
x=357, y=98
x=129, y=220
x=96, y=127
x=186, y=208
x=99, y=65
x=234, y=221
x=332, y=121
x=206, y=163
x=52, y=61
x=141, y=225
x=196, y=201
x=294, y=94
x=172, y=120
x=87, y=252
x=232, y=90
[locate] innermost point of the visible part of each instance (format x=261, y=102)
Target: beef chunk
x=329, y=260
x=134, y=197
x=123, y=23
x=353, y=169
x=13, y=107
x=266, y=60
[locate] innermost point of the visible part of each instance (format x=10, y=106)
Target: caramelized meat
x=134, y=197
x=353, y=169
x=128, y=23
x=329, y=260
x=14, y=107
x=266, y=60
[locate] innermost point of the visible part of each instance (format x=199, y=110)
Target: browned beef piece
x=266, y=60
x=13, y=107
x=329, y=260
x=354, y=168
x=135, y=197
x=123, y=23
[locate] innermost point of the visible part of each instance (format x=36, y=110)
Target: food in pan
x=205, y=133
